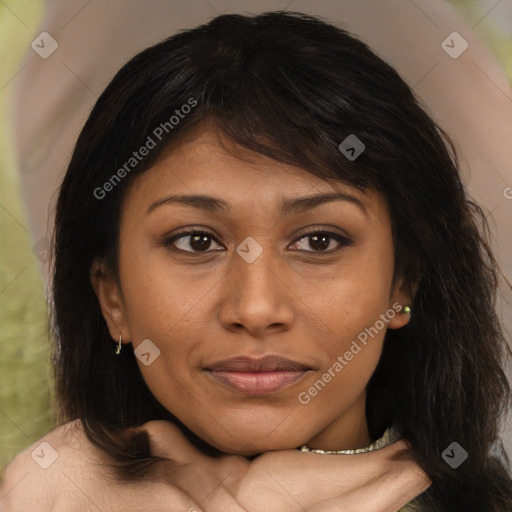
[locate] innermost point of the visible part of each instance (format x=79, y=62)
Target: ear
x=110, y=298
x=402, y=295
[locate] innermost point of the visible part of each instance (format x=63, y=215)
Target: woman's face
x=253, y=284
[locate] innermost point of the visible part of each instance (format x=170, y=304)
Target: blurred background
x=95, y=38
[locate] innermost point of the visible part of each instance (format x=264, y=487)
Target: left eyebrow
x=302, y=204
x=295, y=205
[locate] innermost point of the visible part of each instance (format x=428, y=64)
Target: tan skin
x=292, y=300
x=198, y=308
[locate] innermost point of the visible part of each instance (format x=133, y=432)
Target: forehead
x=209, y=164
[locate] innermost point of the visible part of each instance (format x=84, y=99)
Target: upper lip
x=269, y=363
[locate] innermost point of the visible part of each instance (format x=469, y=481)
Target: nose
x=256, y=297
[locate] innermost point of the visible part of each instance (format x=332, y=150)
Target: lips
x=265, y=364
x=257, y=376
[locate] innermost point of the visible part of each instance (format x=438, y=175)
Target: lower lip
x=258, y=383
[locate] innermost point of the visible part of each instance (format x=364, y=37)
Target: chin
x=249, y=443
x=252, y=430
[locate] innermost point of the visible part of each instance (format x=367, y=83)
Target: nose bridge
x=255, y=264
x=258, y=295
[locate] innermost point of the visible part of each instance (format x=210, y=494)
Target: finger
x=333, y=474
x=387, y=493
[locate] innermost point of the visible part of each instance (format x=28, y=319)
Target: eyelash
x=343, y=241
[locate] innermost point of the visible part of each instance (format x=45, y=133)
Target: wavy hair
x=292, y=87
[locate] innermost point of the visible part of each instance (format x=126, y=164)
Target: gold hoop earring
x=118, y=345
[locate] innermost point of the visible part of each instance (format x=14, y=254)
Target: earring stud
x=118, y=345
x=406, y=310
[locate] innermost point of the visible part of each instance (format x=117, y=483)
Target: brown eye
x=198, y=241
x=320, y=240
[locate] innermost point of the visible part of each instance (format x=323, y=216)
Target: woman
x=344, y=300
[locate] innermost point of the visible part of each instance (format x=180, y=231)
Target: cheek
x=356, y=310
x=165, y=305
x=357, y=294
x=160, y=298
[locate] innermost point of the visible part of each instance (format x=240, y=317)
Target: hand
x=289, y=480
x=278, y=481
x=380, y=481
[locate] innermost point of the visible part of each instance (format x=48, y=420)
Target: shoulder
x=33, y=477
x=64, y=471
